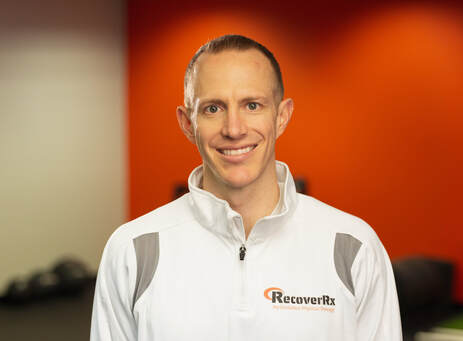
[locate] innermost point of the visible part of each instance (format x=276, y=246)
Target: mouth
x=236, y=151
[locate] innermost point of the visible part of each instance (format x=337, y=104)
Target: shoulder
x=329, y=219
x=357, y=250
x=132, y=251
x=171, y=215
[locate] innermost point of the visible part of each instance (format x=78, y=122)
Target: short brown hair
x=235, y=42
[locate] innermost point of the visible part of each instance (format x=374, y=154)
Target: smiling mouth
x=233, y=152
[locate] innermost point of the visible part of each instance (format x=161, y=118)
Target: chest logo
x=282, y=301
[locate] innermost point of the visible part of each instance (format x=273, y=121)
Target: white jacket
x=310, y=272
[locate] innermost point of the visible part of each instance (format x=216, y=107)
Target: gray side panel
x=346, y=248
x=147, y=251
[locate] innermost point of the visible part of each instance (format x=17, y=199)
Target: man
x=243, y=256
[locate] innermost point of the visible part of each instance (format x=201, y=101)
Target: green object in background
x=453, y=323
x=449, y=330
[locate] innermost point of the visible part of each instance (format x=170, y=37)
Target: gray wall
x=62, y=131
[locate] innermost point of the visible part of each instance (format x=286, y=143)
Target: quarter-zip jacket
x=186, y=271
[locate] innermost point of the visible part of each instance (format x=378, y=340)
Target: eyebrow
x=222, y=103
x=254, y=98
x=211, y=101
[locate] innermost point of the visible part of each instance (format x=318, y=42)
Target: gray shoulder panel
x=147, y=251
x=346, y=248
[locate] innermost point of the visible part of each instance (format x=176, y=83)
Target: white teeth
x=237, y=151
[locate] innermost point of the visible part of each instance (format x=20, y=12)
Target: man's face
x=236, y=116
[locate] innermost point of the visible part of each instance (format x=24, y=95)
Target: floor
x=65, y=318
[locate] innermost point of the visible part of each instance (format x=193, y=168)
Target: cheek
x=264, y=121
x=265, y=128
x=207, y=132
x=204, y=140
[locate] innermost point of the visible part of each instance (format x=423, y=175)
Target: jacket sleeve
x=112, y=318
x=377, y=306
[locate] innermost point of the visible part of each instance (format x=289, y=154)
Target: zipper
x=243, y=300
x=242, y=252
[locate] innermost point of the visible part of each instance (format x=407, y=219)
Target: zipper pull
x=242, y=252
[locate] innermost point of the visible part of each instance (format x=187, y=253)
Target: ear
x=185, y=123
x=285, y=110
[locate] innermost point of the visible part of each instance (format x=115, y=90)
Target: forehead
x=233, y=72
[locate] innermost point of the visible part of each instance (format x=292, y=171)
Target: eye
x=253, y=106
x=212, y=109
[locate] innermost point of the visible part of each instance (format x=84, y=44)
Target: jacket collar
x=217, y=216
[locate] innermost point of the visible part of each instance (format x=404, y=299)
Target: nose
x=234, y=125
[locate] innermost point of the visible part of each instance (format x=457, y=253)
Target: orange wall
x=377, y=128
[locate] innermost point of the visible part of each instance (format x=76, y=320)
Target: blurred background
x=89, y=138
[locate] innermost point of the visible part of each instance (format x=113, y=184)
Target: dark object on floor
x=68, y=277
x=424, y=287
x=72, y=276
x=17, y=292
x=43, y=285
x=423, y=283
x=57, y=318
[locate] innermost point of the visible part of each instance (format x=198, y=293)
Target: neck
x=252, y=202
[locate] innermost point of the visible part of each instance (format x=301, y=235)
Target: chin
x=238, y=179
